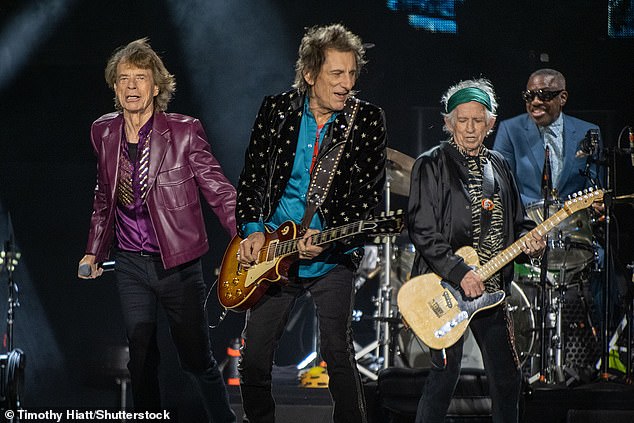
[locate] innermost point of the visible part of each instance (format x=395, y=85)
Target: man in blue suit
x=522, y=140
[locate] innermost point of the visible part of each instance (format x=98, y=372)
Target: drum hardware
x=399, y=172
x=13, y=362
x=569, y=249
x=569, y=337
x=630, y=332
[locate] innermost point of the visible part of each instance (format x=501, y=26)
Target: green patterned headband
x=466, y=95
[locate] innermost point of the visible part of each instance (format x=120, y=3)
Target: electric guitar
x=239, y=289
x=439, y=314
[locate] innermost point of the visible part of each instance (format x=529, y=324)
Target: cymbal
x=399, y=171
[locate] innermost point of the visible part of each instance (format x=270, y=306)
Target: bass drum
x=414, y=353
x=524, y=330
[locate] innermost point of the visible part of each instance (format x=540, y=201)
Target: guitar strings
x=290, y=246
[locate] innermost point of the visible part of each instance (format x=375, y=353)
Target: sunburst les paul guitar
x=439, y=314
x=239, y=289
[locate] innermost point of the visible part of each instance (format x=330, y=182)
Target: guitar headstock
x=385, y=225
x=583, y=199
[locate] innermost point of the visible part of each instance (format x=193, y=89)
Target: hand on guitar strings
x=250, y=248
x=307, y=250
x=472, y=284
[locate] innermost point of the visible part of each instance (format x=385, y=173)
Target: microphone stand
x=607, y=273
x=543, y=276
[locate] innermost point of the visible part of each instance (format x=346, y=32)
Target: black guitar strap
x=324, y=171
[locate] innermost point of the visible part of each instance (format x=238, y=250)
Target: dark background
x=226, y=56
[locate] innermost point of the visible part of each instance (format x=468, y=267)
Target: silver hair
x=481, y=83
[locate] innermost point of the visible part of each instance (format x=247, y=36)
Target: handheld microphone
x=85, y=270
x=631, y=131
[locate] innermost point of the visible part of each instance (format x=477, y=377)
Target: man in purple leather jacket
x=151, y=166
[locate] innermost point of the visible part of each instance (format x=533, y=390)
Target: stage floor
x=594, y=402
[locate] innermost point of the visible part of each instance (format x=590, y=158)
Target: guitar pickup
x=447, y=327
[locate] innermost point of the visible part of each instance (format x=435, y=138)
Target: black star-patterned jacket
x=357, y=186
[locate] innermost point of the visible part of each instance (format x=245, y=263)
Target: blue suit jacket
x=520, y=142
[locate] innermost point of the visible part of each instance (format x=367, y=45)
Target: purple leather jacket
x=181, y=163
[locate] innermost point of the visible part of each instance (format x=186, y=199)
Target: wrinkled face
x=336, y=78
x=545, y=112
x=135, y=88
x=469, y=126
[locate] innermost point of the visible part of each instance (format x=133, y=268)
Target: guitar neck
x=289, y=247
x=505, y=257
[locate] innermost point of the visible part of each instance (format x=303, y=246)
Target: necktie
x=144, y=165
x=556, y=154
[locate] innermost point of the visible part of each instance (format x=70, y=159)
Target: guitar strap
x=324, y=171
x=488, y=188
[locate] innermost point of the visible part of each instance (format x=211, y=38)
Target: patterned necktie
x=127, y=185
x=556, y=154
x=144, y=165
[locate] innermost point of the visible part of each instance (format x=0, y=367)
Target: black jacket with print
x=439, y=212
x=358, y=183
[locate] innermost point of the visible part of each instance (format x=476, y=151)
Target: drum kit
x=571, y=346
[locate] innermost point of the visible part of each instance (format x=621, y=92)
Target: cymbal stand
x=383, y=315
x=385, y=296
x=9, y=259
x=630, y=315
x=555, y=317
x=14, y=361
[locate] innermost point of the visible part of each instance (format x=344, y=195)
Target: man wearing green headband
x=463, y=194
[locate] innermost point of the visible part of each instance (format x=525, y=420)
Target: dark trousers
x=333, y=295
x=143, y=285
x=493, y=331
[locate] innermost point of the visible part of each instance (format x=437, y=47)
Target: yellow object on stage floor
x=315, y=377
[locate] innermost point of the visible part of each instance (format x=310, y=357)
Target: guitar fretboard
x=505, y=257
x=288, y=247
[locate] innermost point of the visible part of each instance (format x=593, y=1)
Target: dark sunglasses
x=542, y=95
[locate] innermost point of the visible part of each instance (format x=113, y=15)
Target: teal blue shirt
x=293, y=202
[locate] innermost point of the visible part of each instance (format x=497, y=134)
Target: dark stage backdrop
x=226, y=56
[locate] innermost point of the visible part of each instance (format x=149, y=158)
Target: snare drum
x=570, y=242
